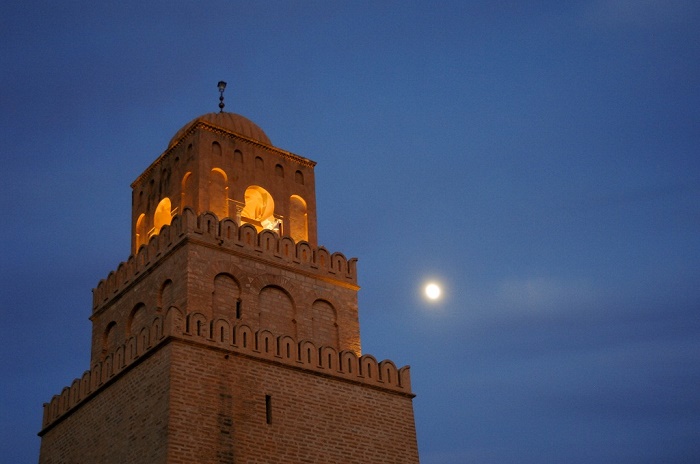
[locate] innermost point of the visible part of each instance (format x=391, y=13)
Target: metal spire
x=222, y=87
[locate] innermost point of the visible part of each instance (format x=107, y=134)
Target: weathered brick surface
x=191, y=398
x=125, y=423
x=219, y=414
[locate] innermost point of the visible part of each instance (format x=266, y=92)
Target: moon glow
x=432, y=291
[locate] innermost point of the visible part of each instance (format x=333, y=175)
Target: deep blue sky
x=538, y=158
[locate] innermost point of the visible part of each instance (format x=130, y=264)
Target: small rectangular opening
x=238, y=309
x=268, y=409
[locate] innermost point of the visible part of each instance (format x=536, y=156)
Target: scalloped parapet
x=239, y=339
x=226, y=234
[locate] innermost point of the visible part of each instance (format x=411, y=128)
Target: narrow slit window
x=268, y=409
x=238, y=309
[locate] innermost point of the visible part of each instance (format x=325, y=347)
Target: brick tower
x=229, y=335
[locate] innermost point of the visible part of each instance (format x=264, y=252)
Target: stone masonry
x=229, y=335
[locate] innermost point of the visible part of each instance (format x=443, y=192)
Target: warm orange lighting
x=162, y=216
x=298, y=219
x=259, y=208
x=218, y=193
x=141, y=231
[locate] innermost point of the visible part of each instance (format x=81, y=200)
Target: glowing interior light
x=432, y=291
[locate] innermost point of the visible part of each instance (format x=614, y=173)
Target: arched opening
x=277, y=312
x=259, y=209
x=298, y=221
x=187, y=192
x=167, y=295
x=162, y=216
x=138, y=318
x=325, y=328
x=109, y=338
x=141, y=231
x=226, y=301
x=215, y=149
x=218, y=193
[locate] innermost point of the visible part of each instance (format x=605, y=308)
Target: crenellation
x=304, y=253
x=174, y=321
x=130, y=350
x=368, y=367
x=119, y=358
x=265, y=343
x=322, y=258
x=85, y=385
x=122, y=276
x=234, y=338
x=268, y=242
x=208, y=224
x=75, y=391
x=64, y=399
x=243, y=336
x=349, y=362
x=229, y=230
x=197, y=325
x=96, y=376
x=221, y=331
x=329, y=358
x=247, y=236
x=287, y=348
x=227, y=235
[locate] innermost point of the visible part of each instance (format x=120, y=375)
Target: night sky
x=539, y=159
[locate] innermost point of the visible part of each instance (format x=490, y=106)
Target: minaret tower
x=229, y=335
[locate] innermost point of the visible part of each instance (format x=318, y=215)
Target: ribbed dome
x=230, y=122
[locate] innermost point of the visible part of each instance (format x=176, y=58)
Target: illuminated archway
x=187, y=192
x=218, y=193
x=259, y=208
x=141, y=231
x=298, y=222
x=162, y=216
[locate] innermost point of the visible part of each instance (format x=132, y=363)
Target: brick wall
x=222, y=402
x=192, y=400
x=125, y=423
x=260, y=288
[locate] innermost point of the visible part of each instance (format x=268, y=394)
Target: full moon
x=432, y=291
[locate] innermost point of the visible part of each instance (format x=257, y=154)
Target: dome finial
x=222, y=87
